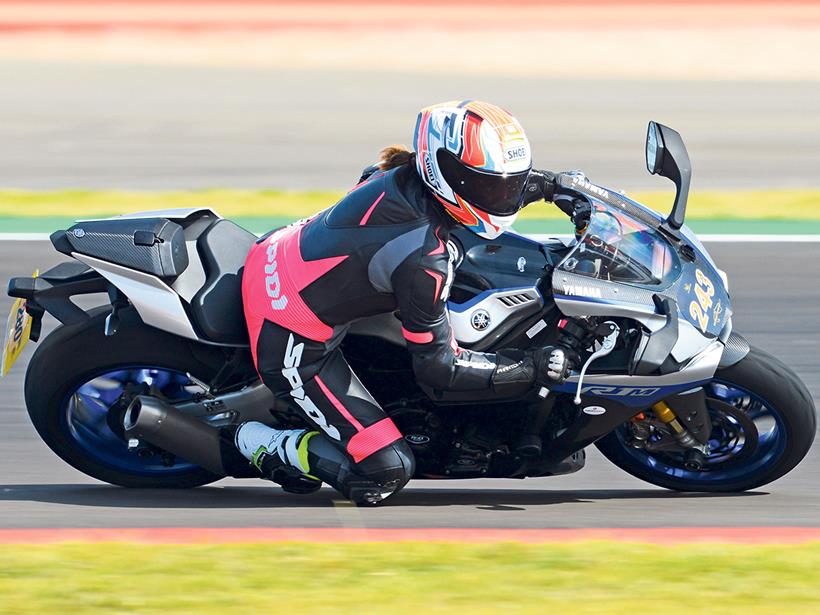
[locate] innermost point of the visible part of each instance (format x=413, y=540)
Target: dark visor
x=500, y=194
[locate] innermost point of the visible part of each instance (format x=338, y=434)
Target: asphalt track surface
x=776, y=296
x=93, y=125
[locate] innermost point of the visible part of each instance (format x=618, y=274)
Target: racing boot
x=279, y=454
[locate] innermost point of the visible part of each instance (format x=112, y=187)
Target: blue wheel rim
x=770, y=446
x=86, y=417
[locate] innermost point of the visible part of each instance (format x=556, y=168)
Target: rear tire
x=765, y=377
x=72, y=355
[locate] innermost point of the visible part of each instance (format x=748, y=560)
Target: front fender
x=736, y=348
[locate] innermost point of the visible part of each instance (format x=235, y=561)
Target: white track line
x=717, y=238
x=728, y=238
x=722, y=238
x=24, y=236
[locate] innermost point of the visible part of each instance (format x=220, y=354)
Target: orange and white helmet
x=476, y=159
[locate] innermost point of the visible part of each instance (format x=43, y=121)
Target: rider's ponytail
x=394, y=156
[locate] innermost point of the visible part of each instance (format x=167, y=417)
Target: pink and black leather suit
x=381, y=249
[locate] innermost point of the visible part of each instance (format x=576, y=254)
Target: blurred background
x=182, y=94
x=267, y=110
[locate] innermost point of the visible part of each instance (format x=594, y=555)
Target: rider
x=383, y=248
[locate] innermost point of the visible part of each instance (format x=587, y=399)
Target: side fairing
x=486, y=313
x=702, y=297
x=626, y=266
x=643, y=391
x=497, y=286
x=704, y=306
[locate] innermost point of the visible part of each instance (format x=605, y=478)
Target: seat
x=217, y=307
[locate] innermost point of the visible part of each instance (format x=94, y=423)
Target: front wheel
x=763, y=424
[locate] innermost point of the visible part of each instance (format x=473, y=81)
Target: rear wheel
x=763, y=425
x=78, y=385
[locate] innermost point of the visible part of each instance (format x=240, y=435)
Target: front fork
x=694, y=457
x=667, y=416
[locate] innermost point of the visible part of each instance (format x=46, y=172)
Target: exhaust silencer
x=150, y=419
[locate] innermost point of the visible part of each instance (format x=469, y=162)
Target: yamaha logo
x=480, y=320
x=78, y=232
x=582, y=291
x=585, y=184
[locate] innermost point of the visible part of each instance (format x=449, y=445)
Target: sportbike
x=133, y=392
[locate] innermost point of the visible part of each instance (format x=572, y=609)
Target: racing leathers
x=381, y=249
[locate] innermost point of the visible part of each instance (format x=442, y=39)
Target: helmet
x=475, y=158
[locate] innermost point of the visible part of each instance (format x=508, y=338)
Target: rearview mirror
x=666, y=155
x=654, y=149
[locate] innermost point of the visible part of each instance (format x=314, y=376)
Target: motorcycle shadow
x=241, y=497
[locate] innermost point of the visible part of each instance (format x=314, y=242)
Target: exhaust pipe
x=160, y=424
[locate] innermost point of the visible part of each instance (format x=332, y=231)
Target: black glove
x=581, y=213
x=553, y=365
x=518, y=370
x=578, y=210
x=540, y=186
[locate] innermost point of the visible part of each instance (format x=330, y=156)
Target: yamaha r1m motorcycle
x=133, y=392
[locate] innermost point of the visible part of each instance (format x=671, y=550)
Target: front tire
x=760, y=386
x=74, y=355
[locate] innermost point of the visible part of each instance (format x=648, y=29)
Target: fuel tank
x=509, y=261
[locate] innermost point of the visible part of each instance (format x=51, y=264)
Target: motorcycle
x=133, y=392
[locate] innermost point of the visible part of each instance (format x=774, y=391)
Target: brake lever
x=607, y=345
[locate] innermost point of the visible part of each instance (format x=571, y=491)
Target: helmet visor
x=500, y=194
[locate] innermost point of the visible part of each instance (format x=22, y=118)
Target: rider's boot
x=279, y=454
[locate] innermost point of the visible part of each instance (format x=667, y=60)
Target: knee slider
x=394, y=463
x=382, y=474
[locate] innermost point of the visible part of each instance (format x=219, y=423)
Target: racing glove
x=578, y=210
x=553, y=365
x=518, y=370
x=540, y=186
x=581, y=213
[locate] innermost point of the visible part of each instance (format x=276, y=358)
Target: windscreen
x=619, y=248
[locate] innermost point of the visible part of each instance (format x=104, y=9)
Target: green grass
x=409, y=578
x=759, y=204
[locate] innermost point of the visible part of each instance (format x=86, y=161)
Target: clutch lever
x=607, y=345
